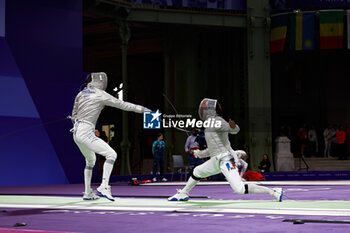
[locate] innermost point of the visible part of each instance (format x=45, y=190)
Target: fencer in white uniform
x=241, y=164
x=222, y=157
x=88, y=105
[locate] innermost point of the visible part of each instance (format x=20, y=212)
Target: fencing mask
x=209, y=108
x=98, y=80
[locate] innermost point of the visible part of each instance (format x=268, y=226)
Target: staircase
x=322, y=164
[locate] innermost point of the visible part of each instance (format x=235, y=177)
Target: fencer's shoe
x=105, y=191
x=277, y=194
x=154, y=179
x=164, y=179
x=90, y=196
x=179, y=196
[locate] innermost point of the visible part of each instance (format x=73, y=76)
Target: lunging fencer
x=88, y=105
x=222, y=157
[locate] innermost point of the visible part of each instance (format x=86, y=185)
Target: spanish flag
x=302, y=28
x=278, y=32
x=331, y=29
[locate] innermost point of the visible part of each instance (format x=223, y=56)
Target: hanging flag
x=278, y=32
x=2, y=18
x=302, y=27
x=331, y=29
x=348, y=22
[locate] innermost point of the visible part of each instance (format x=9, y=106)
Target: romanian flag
x=302, y=27
x=278, y=32
x=331, y=29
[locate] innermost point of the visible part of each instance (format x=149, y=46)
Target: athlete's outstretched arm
x=123, y=105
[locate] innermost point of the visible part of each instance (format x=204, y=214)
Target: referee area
x=213, y=207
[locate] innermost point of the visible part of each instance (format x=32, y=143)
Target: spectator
x=192, y=144
x=348, y=140
x=313, y=142
x=333, y=139
x=289, y=132
x=265, y=164
x=327, y=141
x=158, y=157
x=283, y=131
x=341, y=145
x=302, y=135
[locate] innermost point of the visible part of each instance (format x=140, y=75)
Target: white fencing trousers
x=215, y=166
x=89, y=144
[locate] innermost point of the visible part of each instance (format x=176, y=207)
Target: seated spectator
x=265, y=164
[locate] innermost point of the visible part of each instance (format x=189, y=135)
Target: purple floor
x=170, y=222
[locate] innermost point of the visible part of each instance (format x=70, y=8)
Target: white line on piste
x=271, y=211
x=283, y=183
x=191, y=209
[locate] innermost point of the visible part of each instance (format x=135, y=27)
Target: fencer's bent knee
x=240, y=189
x=89, y=167
x=195, y=177
x=90, y=162
x=196, y=174
x=112, y=155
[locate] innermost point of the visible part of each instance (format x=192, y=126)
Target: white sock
x=87, y=178
x=253, y=188
x=107, y=170
x=189, y=185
